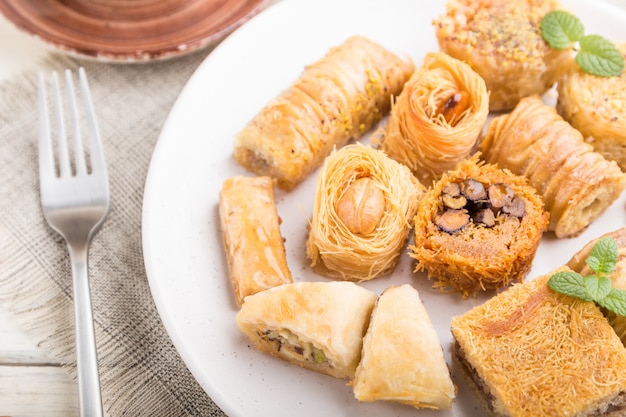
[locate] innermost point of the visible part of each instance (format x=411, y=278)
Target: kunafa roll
x=576, y=183
x=437, y=119
x=335, y=99
x=596, y=106
x=501, y=40
x=402, y=359
x=362, y=214
x=478, y=228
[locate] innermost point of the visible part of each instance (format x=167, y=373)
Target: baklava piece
x=253, y=244
x=501, y=40
x=437, y=120
x=618, y=275
x=316, y=325
x=402, y=358
x=336, y=99
x=478, y=228
x=363, y=212
x=596, y=106
x=576, y=183
x=532, y=352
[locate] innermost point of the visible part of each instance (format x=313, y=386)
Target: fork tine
x=63, y=152
x=98, y=163
x=79, y=154
x=46, y=157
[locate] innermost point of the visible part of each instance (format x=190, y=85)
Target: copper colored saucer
x=129, y=30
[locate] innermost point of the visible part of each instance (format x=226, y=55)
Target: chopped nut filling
x=473, y=202
x=285, y=340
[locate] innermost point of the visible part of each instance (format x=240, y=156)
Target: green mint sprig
x=594, y=287
x=595, y=54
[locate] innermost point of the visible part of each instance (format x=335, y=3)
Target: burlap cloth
x=141, y=371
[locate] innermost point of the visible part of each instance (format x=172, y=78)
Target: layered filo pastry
x=478, y=228
x=618, y=276
x=316, y=325
x=533, y=352
x=335, y=99
x=596, y=106
x=402, y=359
x=438, y=118
x=253, y=243
x=576, y=183
x=362, y=214
x=501, y=40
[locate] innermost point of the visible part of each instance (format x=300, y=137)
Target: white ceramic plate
x=182, y=239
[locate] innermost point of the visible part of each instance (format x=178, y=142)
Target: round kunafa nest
x=363, y=212
x=437, y=119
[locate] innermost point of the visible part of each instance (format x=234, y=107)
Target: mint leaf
x=602, y=260
x=598, y=287
x=596, y=55
x=599, y=56
x=615, y=301
x=561, y=29
x=570, y=283
x=603, y=256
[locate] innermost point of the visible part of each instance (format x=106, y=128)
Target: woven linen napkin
x=141, y=372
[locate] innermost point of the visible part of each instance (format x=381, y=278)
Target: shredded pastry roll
x=596, y=106
x=501, y=40
x=335, y=99
x=362, y=214
x=316, y=325
x=402, y=358
x=576, y=183
x=478, y=228
x=438, y=118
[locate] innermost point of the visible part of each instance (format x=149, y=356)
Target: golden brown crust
x=316, y=325
x=576, y=183
x=332, y=247
x=501, y=40
x=254, y=246
x=336, y=99
x=596, y=106
x=402, y=358
x=477, y=257
x=539, y=353
x=428, y=130
x=578, y=261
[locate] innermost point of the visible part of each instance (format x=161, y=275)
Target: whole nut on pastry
x=453, y=108
x=361, y=206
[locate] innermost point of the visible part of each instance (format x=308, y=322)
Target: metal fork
x=75, y=202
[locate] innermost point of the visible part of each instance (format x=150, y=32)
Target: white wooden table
x=32, y=383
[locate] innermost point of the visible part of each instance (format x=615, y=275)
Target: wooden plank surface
x=32, y=383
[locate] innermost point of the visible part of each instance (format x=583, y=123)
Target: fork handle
x=89, y=396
